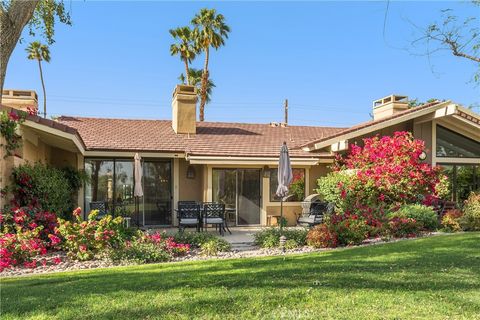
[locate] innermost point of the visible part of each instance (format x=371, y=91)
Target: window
x=463, y=179
x=111, y=182
x=296, y=188
x=453, y=145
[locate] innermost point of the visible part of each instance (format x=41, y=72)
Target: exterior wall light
x=190, y=172
x=422, y=156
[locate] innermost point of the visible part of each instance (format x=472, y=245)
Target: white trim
x=446, y=111
x=339, y=146
x=131, y=154
x=434, y=143
x=211, y=160
x=458, y=160
x=375, y=127
x=56, y=132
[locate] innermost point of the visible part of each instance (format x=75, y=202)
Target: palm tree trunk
x=187, y=72
x=12, y=22
x=203, y=99
x=44, y=91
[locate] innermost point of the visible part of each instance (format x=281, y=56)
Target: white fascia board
x=131, y=154
x=248, y=160
x=56, y=132
x=378, y=126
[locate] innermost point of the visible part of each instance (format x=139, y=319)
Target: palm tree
x=39, y=52
x=185, y=47
x=210, y=31
x=195, y=79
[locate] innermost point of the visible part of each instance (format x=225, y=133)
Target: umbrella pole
x=281, y=215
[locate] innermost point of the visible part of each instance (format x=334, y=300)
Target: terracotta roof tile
x=212, y=138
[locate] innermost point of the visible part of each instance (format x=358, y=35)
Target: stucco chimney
x=389, y=105
x=184, y=109
x=20, y=99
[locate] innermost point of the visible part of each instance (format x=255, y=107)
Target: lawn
x=431, y=278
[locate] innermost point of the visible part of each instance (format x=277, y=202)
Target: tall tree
x=210, y=31
x=37, y=15
x=185, y=47
x=458, y=35
x=195, y=79
x=40, y=52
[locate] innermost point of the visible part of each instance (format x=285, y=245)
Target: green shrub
x=328, y=188
x=350, y=230
x=425, y=216
x=147, y=248
x=213, y=246
x=140, y=252
x=194, y=239
x=84, y=239
x=270, y=237
x=451, y=221
x=49, y=188
x=471, y=213
x=291, y=244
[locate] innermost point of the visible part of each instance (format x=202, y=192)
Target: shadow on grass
x=446, y=263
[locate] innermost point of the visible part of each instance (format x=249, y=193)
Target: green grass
x=429, y=278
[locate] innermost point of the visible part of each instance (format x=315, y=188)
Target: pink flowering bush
x=25, y=235
x=83, y=239
x=28, y=218
x=22, y=247
x=145, y=248
x=387, y=171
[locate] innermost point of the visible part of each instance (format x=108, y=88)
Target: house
x=234, y=163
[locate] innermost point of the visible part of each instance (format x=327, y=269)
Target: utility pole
x=286, y=111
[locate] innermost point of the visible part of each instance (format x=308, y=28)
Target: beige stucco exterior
x=48, y=145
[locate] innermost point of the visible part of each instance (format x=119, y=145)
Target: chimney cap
x=393, y=98
x=184, y=89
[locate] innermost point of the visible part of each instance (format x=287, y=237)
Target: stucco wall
x=290, y=212
x=190, y=189
x=316, y=172
x=423, y=131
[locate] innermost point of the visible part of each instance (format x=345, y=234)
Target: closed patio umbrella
x=285, y=177
x=138, y=190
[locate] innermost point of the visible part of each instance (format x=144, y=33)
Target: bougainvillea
x=145, y=248
x=9, y=122
x=28, y=218
x=21, y=247
x=387, y=171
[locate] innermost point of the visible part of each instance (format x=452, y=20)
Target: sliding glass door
x=157, y=191
x=111, y=185
x=248, y=196
x=240, y=191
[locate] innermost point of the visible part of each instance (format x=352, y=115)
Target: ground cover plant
x=270, y=237
x=428, y=278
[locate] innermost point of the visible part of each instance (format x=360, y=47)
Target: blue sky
x=330, y=59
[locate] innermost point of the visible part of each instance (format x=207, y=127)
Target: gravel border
x=73, y=265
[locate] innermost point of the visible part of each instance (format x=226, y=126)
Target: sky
x=329, y=59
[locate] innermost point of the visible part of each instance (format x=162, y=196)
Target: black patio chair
x=101, y=206
x=189, y=215
x=318, y=210
x=214, y=214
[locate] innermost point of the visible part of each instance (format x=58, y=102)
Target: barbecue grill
x=313, y=210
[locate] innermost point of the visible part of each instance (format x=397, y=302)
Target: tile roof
x=212, y=138
x=371, y=123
